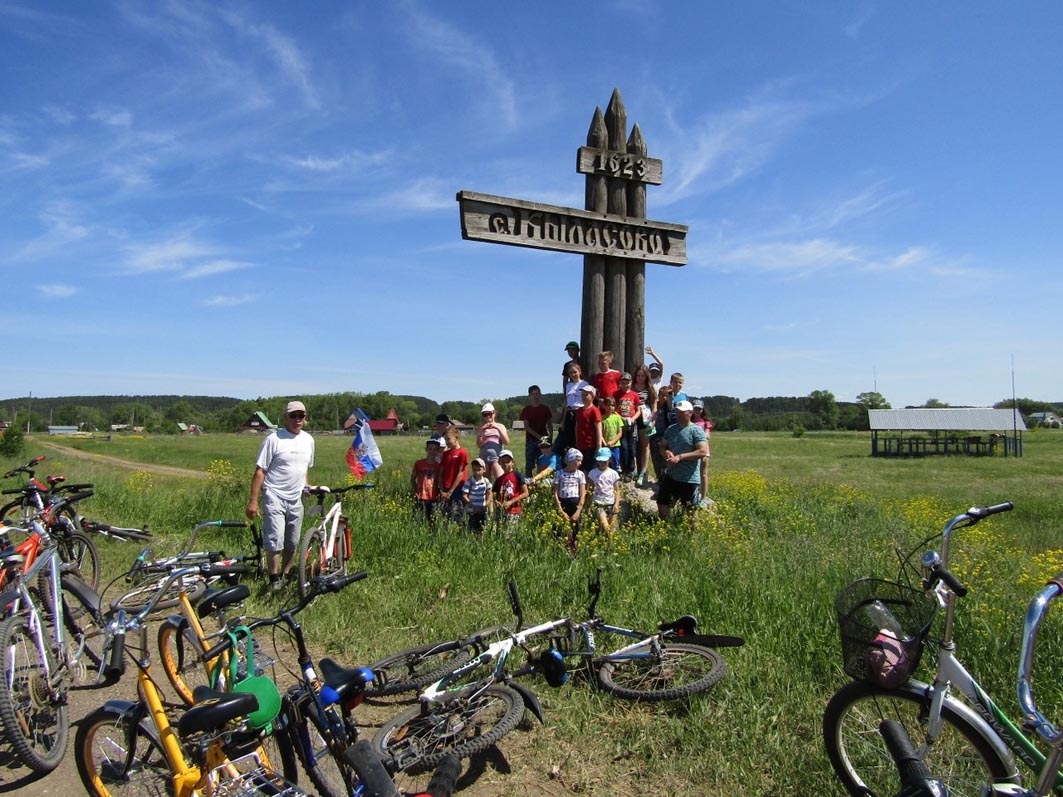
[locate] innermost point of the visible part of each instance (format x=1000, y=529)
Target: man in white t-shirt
x=281, y=471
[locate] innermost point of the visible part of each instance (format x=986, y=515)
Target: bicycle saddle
x=211, y=709
x=216, y=599
x=347, y=681
x=684, y=626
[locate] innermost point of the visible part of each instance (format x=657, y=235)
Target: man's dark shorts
x=669, y=491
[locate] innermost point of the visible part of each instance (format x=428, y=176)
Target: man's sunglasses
x=297, y=415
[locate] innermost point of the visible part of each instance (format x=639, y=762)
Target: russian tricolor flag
x=364, y=454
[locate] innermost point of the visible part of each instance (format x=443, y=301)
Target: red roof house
x=390, y=425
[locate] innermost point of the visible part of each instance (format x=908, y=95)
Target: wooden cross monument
x=612, y=233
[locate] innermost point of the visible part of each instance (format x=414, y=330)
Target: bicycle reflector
x=554, y=669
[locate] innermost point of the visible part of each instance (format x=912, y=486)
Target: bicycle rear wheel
x=314, y=561
x=78, y=549
x=667, y=672
x=117, y=757
x=416, y=740
x=331, y=775
x=961, y=757
x=413, y=669
x=33, y=715
x=137, y=599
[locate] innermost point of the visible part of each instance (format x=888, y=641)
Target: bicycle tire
x=184, y=669
x=77, y=548
x=137, y=599
x=331, y=775
x=280, y=751
x=961, y=757
x=413, y=669
x=681, y=670
x=468, y=723
x=35, y=726
x=110, y=767
x=312, y=562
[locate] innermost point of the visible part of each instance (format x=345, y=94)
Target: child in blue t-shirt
x=476, y=493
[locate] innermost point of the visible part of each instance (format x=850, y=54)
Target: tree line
x=161, y=414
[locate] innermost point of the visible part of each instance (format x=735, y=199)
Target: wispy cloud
x=282, y=51
x=62, y=227
x=215, y=267
x=174, y=254
x=57, y=290
x=346, y=162
x=229, y=301
x=469, y=56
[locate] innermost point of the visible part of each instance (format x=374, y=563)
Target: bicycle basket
x=883, y=625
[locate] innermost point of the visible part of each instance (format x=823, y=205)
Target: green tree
x=824, y=409
x=12, y=442
x=935, y=404
x=873, y=401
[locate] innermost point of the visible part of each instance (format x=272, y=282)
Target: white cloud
x=175, y=254
x=215, y=267
x=57, y=290
x=229, y=301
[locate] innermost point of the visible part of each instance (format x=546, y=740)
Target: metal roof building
x=943, y=425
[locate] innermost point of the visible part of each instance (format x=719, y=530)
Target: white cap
x=488, y=407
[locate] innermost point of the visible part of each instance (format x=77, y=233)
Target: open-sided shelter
x=920, y=432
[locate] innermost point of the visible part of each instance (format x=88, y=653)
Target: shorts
x=669, y=491
x=569, y=505
x=489, y=453
x=608, y=509
x=282, y=522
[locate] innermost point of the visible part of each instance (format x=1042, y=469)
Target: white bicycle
x=325, y=549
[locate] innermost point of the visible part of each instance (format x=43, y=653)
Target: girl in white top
x=606, y=496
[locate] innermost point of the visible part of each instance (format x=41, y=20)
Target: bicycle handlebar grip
x=376, y=782
x=218, y=649
x=910, y=766
x=445, y=778
x=954, y=583
x=514, y=597
x=116, y=663
x=71, y=499
x=218, y=569
x=340, y=582
x=18, y=491
x=1007, y=506
x=69, y=488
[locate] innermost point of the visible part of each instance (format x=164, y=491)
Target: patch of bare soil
x=162, y=470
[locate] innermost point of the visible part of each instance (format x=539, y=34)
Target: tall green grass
x=795, y=520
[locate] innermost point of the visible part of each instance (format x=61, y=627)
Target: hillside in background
x=161, y=414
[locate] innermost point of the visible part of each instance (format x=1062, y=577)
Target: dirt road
x=164, y=470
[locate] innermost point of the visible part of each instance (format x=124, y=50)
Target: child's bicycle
x=325, y=548
x=962, y=734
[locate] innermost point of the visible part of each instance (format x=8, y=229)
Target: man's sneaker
x=276, y=585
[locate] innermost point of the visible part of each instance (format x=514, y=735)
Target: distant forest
x=162, y=414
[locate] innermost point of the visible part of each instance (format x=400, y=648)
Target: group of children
x=445, y=481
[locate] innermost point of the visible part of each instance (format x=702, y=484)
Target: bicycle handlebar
x=1033, y=718
x=915, y=777
x=27, y=468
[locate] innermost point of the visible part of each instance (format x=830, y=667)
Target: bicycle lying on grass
x=475, y=705
x=960, y=731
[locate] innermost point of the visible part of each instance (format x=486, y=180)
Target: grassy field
x=796, y=519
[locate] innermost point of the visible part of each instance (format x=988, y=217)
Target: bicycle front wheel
x=181, y=656
x=314, y=559
x=137, y=599
x=960, y=756
x=412, y=670
x=33, y=715
x=664, y=672
x=416, y=740
x=117, y=757
x=331, y=775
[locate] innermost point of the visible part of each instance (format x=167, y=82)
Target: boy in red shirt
x=588, y=427
x=423, y=480
x=607, y=380
x=628, y=407
x=537, y=419
x=453, y=471
x=509, y=488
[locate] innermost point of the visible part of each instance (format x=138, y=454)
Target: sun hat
x=545, y=442
x=505, y=452
x=294, y=406
x=684, y=406
x=698, y=403
x=625, y=376
x=443, y=419
x=603, y=454
x=655, y=366
x=480, y=462
x=433, y=441
x=488, y=407
x=571, y=345
x=590, y=389
x=573, y=455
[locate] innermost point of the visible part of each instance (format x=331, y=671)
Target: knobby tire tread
x=655, y=676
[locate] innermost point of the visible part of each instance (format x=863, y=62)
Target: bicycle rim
x=183, y=666
x=34, y=717
x=960, y=757
x=417, y=739
x=330, y=777
x=668, y=673
x=412, y=670
x=115, y=759
x=77, y=549
x=312, y=561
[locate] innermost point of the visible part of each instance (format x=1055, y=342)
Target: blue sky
x=257, y=198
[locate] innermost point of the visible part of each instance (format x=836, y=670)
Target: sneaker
x=276, y=585
x=703, y=503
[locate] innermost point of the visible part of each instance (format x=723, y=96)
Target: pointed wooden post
x=635, y=340
x=592, y=327
x=615, y=267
